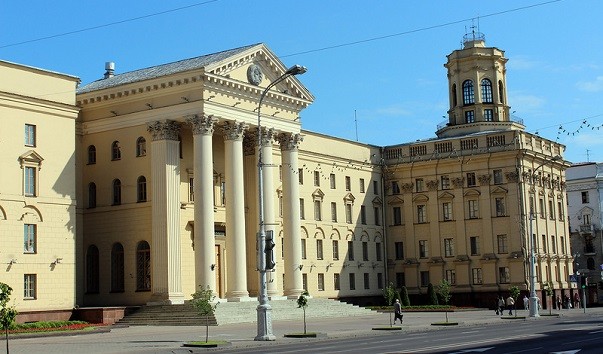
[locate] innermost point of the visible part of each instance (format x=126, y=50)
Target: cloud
x=393, y=110
x=595, y=85
x=523, y=63
x=525, y=102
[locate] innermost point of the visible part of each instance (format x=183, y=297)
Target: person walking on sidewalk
x=501, y=305
x=526, y=302
x=398, y=311
x=510, y=303
x=558, y=302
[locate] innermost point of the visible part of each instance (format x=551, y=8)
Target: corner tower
x=477, y=89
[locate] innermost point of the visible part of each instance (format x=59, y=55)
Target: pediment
x=420, y=198
x=31, y=157
x=499, y=190
x=472, y=193
x=318, y=194
x=395, y=200
x=377, y=201
x=349, y=197
x=446, y=195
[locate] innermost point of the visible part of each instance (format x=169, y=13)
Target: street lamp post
x=264, y=311
x=533, y=297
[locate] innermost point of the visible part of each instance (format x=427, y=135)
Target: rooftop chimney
x=110, y=68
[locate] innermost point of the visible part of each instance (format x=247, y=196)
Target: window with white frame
x=551, y=210
x=115, y=151
x=91, y=155
x=304, y=281
x=300, y=175
x=502, y=244
x=471, y=182
x=141, y=189
x=504, y=275
x=421, y=215
x=30, y=186
x=362, y=185
x=302, y=209
x=319, y=249
x=498, y=176
x=30, y=284
x=451, y=276
x=474, y=243
x=191, y=189
x=332, y=181
x=476, y=276
x=317, y=178
x=333, y=212
x=542, y=209
x=30, y=135
x=335, y=250
x=348, y=183
x=445, y=181
x=449, y=247
x=419, y=185
x=317, y=210
x=500, y=206
x=447, y=211
x=473, y=209
x=29, y=238
x=141, y=147
x=303, y=248
x=321, y=282
x=423, y=249
x=336, y=282
x=585, y=198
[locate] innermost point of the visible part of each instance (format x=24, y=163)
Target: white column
x=291, y=222
x=236, y=258
x=165, y=246
x=204, y=235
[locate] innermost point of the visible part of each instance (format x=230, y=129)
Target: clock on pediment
x=254, y=74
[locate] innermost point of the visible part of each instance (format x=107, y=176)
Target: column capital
x=164, y=130
x=234, y=130
x=202, y=124
x=268, y=135
x=289, y=141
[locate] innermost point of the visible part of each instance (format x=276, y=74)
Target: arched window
x=141, y=188
x=141, y=147
x=91, y=195
x=590, y=263
x=468, y=94
x=454, y=101
x=143, y=266
x=486, y=91
x=115, y=151
x=117, y=268
x=91, y=155
x=92, y=270
x=116, y=192
x=501, y=91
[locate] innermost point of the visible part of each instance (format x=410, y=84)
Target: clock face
x=254, y=74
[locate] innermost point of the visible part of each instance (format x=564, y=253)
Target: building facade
x=37, y=190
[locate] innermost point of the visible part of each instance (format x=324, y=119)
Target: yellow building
x=37, y=190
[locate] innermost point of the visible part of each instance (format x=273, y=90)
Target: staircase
x=239, y=312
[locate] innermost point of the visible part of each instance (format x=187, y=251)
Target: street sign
x=573, y=278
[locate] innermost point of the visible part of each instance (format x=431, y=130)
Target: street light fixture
x=264, y=310
x=533, y=297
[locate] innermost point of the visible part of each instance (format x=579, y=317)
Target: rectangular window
x=336, y=281
x=397, y=216
x=377, y=215
x=302, y=209
x=363, y=215
x=321, y=282
x=469, y=116
x=352, y=281
x=335, y=250
x=544, y=247
x=476, y=276
x=300, y=175
x=500, y=206
x=542, y=209
x=423, y=249
x=29, y=238
x=317, y=211
x=280, y=206
x=350, y=250
x=448, y=247
x=367, y=282
x=445, y=180
x=473, y=209
x=365, y=252
x=362, y=185
x=424, y=278
x=399, y=246
x=447, y=211
x=30, y=135
x=551, y=210
x=502, y=244
x=585, y=199
x=379, y=280
x=419, y=185
x=348, y=183
x=30, y=181
x=553, y=244
x=305, y=281
x=319, y=249
x=503, y=275
x=378, y=251
x=400, y=280
x=498, y=176
x=333, y=212
x=375, y=187
x=191, y=189
x=421, y=217
x=332, y=180
x=303, y=248
x=474, y=241
x=30, y=286
x=488, y=115
x=562, y=243
x=451, y=276
x=471, y=179
x=348, y=213
x=395, y=187
x=317, y=178
x=560, y=210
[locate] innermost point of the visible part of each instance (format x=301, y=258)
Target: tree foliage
x=443, y=289
x=404, y=295
x=431, y=295
x=389, y=293
x=302, y=302
x=7, y=313
x=514, y=291
x=203, y=302
x=548, y=289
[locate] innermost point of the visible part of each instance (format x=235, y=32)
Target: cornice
x=37, y=104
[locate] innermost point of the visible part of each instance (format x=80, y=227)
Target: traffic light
x=583, y=282
x=269, y=250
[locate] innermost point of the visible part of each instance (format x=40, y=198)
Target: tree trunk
x=206, y=329
x=304, y=320
x=6, y=334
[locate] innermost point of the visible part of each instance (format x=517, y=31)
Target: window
x=30, y=283
x=397, y=216
x=447, y=211
x=488, y=115
x=332, y=180
x=498, y=176
x=469, y=117
x=453, y=93
x=377, y=215
x=141, y=189
x=502, y=244
x=352, y=281
x=141, y=147
x=501, y=91
x=143, y=266
x=448, y=247
x=30, y=135
x=378, y=251
x=191, y=189
x=333, y=212
x=363, y=215
x=419, y=185
x=365, y=256
x=350, y=250
x=362, y=185
x=500, y=206
x=424, y=278
x=553, y=244
x=91, y=195
x=317, y=211
x=302, y=209
x=321, y=282
x=476, y=276
x=486, y=91
x=375, y=187
x=503, y=275
x=379, y=280
x=445, y=182
x=348, y=183
x=590, y=263
x=451, y=276
x=423, y=249
x=399, y=247
x=421, y=217
x=30, y=188
x=585, y=197
x=544, y=248
x=336, y=285
x=303, y=248
x=348, y=213
x=367, y=283
x=395, y=187
x=29, y=238
x=319, y=249
x=335, y=250
x=91, y=155
x=304, y=281
x=116, y=192
x=560, y=210
x=542, y=209
x=115, y=151
x=471, y=179
x=117, y=268
x=468, y=94
x=551, y=210
x=300, y=175
x=562, y=243
x=317, y=178
x=474, y=241
x=473, y=209
x=400, y=280
x=92, y=270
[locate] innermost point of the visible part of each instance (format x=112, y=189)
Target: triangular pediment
x=499, y=190
x=318, y=194
x=349, y=198
x=31, y=157
x=446, y=195
x=377, y=201
x=471, y=193
x=395, y=200
x=420, y=198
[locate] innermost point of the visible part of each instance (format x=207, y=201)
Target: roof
x=161, y=70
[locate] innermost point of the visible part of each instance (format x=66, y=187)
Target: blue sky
x=392, y=76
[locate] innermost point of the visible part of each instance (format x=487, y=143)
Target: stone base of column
x=293, y=293
x=277, y=297
x=241, y=299
x=166, y=299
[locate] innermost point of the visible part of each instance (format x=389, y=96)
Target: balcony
x=586, y=229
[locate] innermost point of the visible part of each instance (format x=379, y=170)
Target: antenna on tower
x=356, y=123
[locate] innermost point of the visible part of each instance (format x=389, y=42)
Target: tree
x=202, y=301
x=443, y=290
x=548, y=288
x=404, y=295
x=302, y=302
x=514, y=294
x=389, y=293
x=431, y=295
x=7, y=314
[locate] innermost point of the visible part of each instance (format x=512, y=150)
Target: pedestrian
x=558, y=302
x=576, y=301
x=510, y=304
x=501, y=305
x=526, y=302
x=398, y=311
x=496, y=307
x=567, y=302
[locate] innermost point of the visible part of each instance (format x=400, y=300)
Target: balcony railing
x=588, y=228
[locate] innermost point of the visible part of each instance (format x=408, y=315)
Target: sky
x=375, y=68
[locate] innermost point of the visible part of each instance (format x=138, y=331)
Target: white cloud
x=393, y=110
x=525, y=102
x=591, y=86
x=521, y=62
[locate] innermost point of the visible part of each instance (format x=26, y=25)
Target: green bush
x=431, y=295
x=404, y=295
x=44, y=324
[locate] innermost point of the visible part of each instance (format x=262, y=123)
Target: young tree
x=202, y=301
x=7, y=314
x=431, y=295
x=389, y=293
x=302, y=302
x=404, y=295
x=514, y=294
x=444, y=292
x=548, y=288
